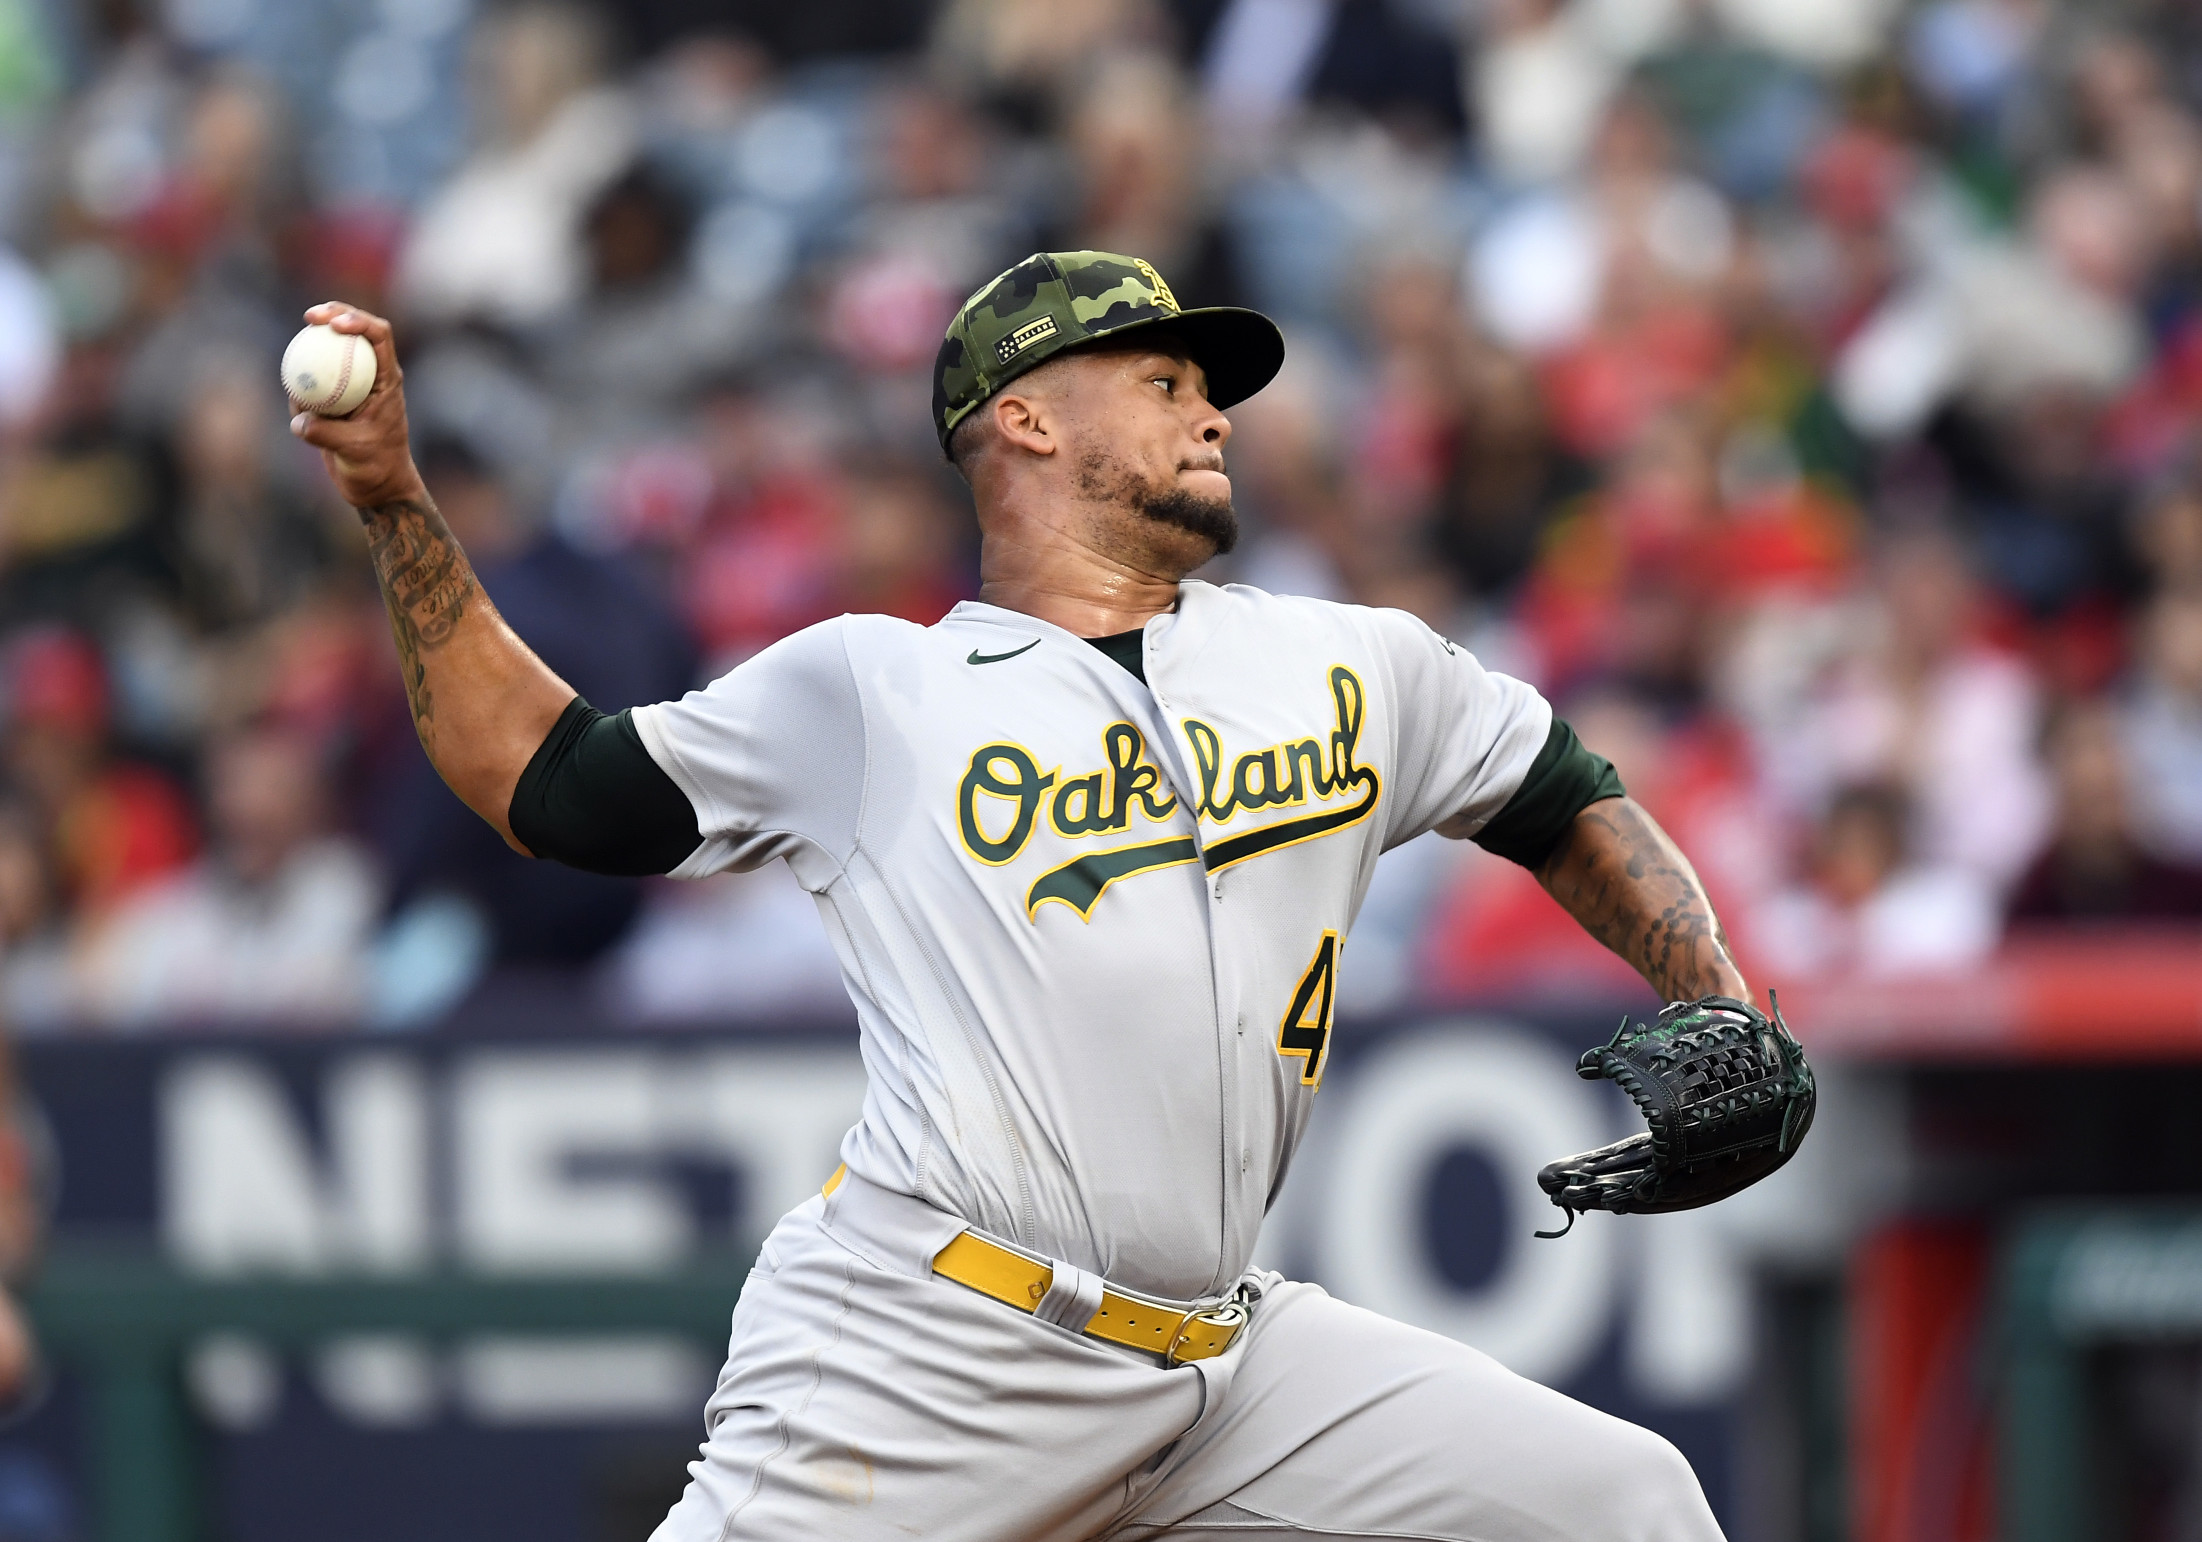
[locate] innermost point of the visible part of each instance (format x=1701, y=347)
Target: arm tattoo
x=426, y=586
x=1619, y=875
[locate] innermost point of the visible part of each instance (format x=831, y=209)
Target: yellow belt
x=1015, y=1280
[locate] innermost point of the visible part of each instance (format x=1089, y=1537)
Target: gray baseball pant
x=866, y=1397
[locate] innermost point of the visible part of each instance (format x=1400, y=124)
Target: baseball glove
x=1727, y=1096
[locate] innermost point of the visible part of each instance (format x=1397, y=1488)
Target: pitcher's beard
x=1212, y=519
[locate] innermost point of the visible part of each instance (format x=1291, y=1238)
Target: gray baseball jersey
x=1091, y=927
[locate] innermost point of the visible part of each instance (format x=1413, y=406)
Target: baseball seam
x=343, y=377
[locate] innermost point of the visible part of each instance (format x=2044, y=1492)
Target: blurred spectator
x=203, y=249
x=2095, y=868
x=1393, y=64
x=2159, y=157
x=115, y=825
x=605, y=631
x=760, y=565
x=30, y=344
x=1611, y=592
x=1508, y=476
x=501, y=240
x=2026, y=451
x=1609, y=265
x=901, y=544
x=35, y=988
x=22, y=1227
x=1025, y=56
x=642, y=334
x=940, y=190
x=1973, y=56
x=2168, y=537
x=1867, y=910
x=2163, y=726
x=1545, y=71
x=1827, y=33
x=1137, y=152
x=1411, y=413
x=788, y=539
x=250, y=544
x=78, y=500
x=2117, y=81
x=272, y=925
x=115, y=134
x=1926, y=706
x=1256, y=57
x=1288, y=480
x=1856, y=188
x=1992, y=322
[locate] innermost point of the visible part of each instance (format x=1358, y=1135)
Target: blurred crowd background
x=1803, y=393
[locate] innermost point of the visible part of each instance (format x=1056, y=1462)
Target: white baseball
x=328, y=372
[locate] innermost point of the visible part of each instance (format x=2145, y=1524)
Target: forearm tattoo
x=427, y=584
x=1631, y=888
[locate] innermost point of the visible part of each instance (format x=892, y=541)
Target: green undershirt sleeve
x=1563, y=780
x=592, y=798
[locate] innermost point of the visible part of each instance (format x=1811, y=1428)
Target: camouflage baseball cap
x=1056, y=300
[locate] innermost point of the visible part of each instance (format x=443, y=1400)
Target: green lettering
x=1263, y=767
x=1310, y=773
x=1078, y=808
x=1208, y=757
x=1132, y=776
x=1025, y=786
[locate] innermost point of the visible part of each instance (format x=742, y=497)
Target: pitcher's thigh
x=1341, y=1423
x=866, y=1406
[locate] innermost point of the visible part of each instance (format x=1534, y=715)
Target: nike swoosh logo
x=995, y=658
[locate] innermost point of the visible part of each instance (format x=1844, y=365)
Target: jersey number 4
x=1305, y=1031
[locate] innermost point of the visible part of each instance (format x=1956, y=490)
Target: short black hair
x=963, y=441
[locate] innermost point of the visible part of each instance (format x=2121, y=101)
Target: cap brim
x=1239, y=350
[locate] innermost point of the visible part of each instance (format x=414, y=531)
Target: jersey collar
x=1188, y=625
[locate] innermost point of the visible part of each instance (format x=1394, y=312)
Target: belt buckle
x=1229, y=1316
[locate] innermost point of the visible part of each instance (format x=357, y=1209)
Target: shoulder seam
x=653, y=740
x=1428, y=769
x=864, y=788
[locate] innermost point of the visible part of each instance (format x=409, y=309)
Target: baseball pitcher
x=1089, y=848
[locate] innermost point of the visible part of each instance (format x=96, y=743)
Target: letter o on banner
x=1517, y=1098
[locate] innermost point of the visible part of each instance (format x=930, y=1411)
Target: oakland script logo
x=1322, y=775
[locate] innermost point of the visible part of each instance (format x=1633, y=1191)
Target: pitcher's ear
x=1021, y=422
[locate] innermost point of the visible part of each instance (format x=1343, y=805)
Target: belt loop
x=1072, y=1298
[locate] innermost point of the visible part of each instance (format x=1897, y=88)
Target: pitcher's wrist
x=403, y=487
